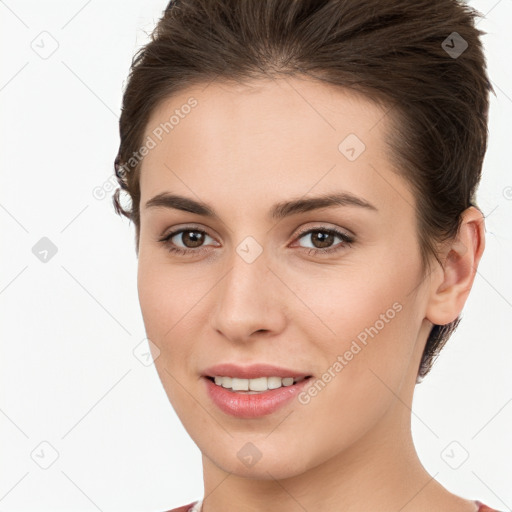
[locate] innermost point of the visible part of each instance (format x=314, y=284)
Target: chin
x=270, y=470
x=259, y=460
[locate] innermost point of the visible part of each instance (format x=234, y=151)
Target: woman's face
x=265, y=279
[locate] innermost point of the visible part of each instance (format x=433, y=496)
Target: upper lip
x=252, y=371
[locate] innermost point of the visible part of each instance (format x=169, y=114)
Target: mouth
x=255, y=397
x=255, y=385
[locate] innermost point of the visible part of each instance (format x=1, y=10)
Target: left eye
x=322, y=239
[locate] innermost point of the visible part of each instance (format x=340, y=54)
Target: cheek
x=364, y=367
x=371, y=320
x=151, y=287
x=165, y=296
x=164, y=305
x=172, y=306
x=353, y=301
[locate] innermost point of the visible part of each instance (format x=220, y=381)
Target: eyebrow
x=277, y=212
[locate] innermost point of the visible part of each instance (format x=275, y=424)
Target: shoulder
x=485, y=508
x=184, y=508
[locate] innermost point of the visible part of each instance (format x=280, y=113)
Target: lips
x=252, y=371
x=249, y=404
x=243, y=405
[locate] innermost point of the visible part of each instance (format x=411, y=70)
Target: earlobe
x=461, y=258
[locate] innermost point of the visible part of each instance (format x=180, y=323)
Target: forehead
x=263, y=107
x=268, y=138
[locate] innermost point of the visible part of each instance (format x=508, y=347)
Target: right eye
x=191, y=238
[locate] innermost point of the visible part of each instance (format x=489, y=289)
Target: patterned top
x=197, y=505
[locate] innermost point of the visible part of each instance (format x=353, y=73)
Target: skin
x=242, y=149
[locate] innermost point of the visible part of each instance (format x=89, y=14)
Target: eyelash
x=346, y=241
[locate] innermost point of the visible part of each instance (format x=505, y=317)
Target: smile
x=257, y=385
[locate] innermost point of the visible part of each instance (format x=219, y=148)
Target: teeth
x=239, y=384
x=255, y=385
x=274, y=382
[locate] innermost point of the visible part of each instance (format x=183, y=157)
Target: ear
x=451, y=285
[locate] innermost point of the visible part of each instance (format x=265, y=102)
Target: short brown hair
x=421, y=58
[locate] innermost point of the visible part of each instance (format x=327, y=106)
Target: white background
x=69, y=326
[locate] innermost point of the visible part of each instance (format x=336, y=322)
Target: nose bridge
x=245, y=299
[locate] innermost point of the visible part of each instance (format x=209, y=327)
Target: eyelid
x=169, y=233
x=325, y=227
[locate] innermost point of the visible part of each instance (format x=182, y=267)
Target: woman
x=302, y=179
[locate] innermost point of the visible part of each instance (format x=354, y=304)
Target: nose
x=249, y=301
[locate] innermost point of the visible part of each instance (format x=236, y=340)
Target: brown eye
x=192, y=239
x=322, y=240
x=185, y=241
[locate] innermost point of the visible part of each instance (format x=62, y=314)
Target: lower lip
x=243, y=405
